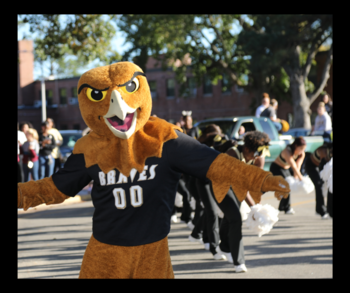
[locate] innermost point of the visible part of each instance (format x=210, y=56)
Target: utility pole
x=43, y=95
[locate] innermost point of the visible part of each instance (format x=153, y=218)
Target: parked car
x=231, y=125
x=69, y=139
x=295, y=132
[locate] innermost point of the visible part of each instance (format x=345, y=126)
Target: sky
x=118, y=41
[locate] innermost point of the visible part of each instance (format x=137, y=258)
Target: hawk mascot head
x=115, y=102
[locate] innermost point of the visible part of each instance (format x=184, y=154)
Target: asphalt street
x=52, y=240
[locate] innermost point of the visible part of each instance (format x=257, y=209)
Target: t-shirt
x=21, y=137
x=268, y=112
x=58, y=139
x=259, y=110
x=136, y=210
x=323, y=122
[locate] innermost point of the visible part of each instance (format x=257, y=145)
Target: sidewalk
x=52, y=240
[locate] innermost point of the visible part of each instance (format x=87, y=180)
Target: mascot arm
x=33, y=193
x=67, y=182
x=226, y=171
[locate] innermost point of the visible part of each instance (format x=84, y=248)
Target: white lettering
x=102, y=178
x=111, y=177
x=152, y=172
x=132, y=174
x=136, y=196
x=143, y=176
x=122, y=179
x=119, y=195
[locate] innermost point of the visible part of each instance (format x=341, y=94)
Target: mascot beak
x=120, y=118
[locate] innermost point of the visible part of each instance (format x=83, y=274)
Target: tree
x=291, y=42
x=209, y=41
x=83, y=37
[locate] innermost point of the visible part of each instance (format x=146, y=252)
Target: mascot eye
x=132, y=86
x=95, y=95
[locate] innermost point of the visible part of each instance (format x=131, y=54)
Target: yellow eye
x=95, y=95
x=132, y=86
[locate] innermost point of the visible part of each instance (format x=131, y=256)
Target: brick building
x=205, y=101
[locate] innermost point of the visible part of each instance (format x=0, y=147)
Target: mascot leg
x=104, y=261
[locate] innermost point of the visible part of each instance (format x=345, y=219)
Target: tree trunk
x=301, y=102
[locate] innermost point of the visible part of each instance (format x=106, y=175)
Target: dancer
x=288, y=163
x=253, y=152
x=206, y=229
x=312, y=164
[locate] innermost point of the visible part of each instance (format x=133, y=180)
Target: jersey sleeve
x=186, y=155
x=73, y=177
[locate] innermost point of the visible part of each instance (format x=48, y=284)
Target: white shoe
x=325, y=216
x=290, y=212
x=192, y=239
x=228, y=255
x=206, y=246
x=174, y=219
x=241, y=268
x=219, y=256
x=190, y=225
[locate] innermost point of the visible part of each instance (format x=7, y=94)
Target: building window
x=64, y=127
x=74, y=92
x=153, y=88
x=76, y=126
x=192, y=86
x=207, y=86
x=63, y=96
x=225, y=84
x=48, y=97
x=170, y=88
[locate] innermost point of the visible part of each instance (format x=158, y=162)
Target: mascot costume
x=135, y=161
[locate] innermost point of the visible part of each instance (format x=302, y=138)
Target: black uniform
x=136, y=210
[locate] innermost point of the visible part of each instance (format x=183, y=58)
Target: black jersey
x=136, y=210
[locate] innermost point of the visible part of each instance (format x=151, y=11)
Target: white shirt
x=259, y=110
x=323, y=122
x=21, y=138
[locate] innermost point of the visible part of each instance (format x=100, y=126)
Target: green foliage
x=208, y=40
x=85, y=36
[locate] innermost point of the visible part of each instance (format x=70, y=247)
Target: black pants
x=190, y=183
x=210, y=218
x=313, y=171
x=186, y=197
x=277, y=170
x=231, y=228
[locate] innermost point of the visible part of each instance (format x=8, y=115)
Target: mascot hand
x=277, y=184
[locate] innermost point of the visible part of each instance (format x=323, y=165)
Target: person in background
x=270, y=112
x=206, y=230
x=30, y=151
x=253, y=152
x=265, y=102
x=59, y=140
x=21, y=139
x=241, y=131
x=187, y=125
x=288, y=163
x=323, y=121
x=190, y=181
x=312, y=164
x=328, y=103
x=47, y=144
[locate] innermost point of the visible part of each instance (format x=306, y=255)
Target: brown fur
x=101, y=146
x=125, y=154
x=228, y=171
x=104, y=261
x=33, y=193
